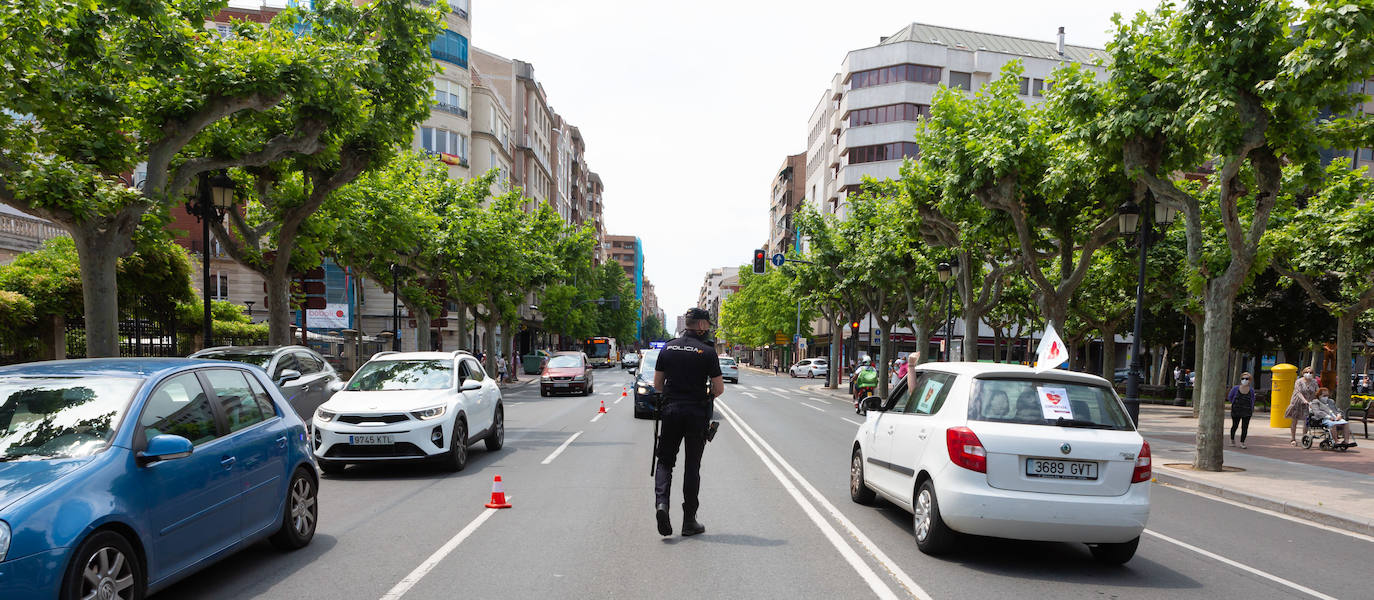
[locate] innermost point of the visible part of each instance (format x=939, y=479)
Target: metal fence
x=137, y=337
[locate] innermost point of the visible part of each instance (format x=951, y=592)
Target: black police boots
x=690, y=525
x=665, y=525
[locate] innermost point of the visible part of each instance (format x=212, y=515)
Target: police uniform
x=688, y=364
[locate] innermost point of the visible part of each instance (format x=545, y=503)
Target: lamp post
x=947, y=271
x=215, y=197
x=395, y=308
x=249, y=304
x=1179, y=398
x=1129, y=221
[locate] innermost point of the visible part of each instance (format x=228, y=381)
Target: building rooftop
x=975, y=40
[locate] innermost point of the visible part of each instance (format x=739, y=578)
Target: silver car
x=305, y=378
x=729, y=370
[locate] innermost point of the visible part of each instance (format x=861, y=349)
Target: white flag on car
x=1051, y=352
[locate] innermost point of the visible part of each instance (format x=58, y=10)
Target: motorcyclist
x=865, y=379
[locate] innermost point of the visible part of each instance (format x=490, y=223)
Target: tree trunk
x=1109, y=355
x=883, y=348
x=922, y=346
x=1345, y=330
x=1199, y=350
x=490, y=344
x=462, y=313
x=1161, y=364
x=278, y=306
x=1210, y=392
x=98, y=256
x=423, y=341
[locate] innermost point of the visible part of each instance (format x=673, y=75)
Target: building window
x=893, y=74
x=1366, y=154
x=450, y=46
x=1038, y=87
x=451, y=97
x=960, y=80
x=881, y=152
x=443, y=141
x=887, y=114
x=219, y=286
x=1025, y=86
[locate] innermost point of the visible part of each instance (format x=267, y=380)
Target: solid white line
x=817, y=399
x=1359, y=536
x=617, y=400
x=875, y=583
x=598, y=416
x=853, y=421
x=760, y=388
x=812, y=406
x=428, y=565
x=835, y=513
x=750, y=394
x=560, y=449
x=1243, y=567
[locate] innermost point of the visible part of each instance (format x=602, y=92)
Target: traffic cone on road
x=498, y=495
x=603, y=407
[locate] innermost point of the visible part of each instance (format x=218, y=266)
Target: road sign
x=780, y=338
x=778, y=259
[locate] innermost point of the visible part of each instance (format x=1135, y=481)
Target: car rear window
x=727, y=362
x=1046, y=402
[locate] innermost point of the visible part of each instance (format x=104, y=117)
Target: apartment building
x=447, y=133
x=491, y=132
x=649, y=304
x=718, y=285
x=786, y=195
x=532, y=122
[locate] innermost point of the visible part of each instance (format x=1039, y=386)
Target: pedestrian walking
x=685, y=368
x=1242, y=400
x=514, y=366
x=501, y=368
x=1304, y=392
x=1178, y=375
x=777, y=366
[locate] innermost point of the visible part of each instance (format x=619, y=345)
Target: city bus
x=602, y=351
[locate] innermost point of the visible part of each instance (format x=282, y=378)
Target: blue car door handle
x=281, y=442
x=227, y=461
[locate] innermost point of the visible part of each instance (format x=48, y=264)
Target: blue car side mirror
x=165, y=447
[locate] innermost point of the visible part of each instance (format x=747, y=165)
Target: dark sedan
x=317, y=382
x=644, y=385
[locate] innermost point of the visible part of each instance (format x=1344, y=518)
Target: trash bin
x=534, y=363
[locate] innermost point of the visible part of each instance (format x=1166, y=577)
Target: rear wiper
x=1062, y=422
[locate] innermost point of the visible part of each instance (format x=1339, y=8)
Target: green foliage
x=652, y=330
x=227, y=319
x=763, y=306
x=50, y=277
x=17, y=315
x=154, y=278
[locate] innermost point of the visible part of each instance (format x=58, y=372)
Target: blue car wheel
x=104, y=566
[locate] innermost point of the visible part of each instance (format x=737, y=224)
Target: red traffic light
x=855, y=325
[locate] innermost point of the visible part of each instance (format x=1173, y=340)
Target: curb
x=1353, y=523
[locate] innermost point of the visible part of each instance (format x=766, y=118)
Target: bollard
x=1280, y=392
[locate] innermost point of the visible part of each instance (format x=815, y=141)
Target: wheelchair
x=1323, y=436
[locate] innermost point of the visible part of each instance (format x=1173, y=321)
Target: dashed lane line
x=853, y=421
x=560, y=449
x=750, y=394
x=598, y=417
x=812, y=407
x=428, y=565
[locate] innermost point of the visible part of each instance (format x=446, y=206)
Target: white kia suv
x=1003, y=451
x=406, y=406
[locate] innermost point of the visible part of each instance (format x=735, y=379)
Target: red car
x=566, y=372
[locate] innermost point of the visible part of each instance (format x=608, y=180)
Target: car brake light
x=1142, y=464
x=966, y=450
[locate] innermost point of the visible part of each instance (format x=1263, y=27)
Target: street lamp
x=946, y=271
x=1129, y=222
x=395, y=308
x=214, y=197
x=249, y=304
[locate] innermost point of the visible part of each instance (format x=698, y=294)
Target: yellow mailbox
x=1281, y=391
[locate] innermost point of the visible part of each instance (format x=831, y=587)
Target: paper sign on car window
x=1054, y=401
x=928, y=395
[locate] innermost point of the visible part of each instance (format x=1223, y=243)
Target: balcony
x=452, y=109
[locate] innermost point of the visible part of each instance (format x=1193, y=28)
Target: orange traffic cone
x=498, y=495
x=603, y=407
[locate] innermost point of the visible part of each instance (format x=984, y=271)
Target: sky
x=690, y=108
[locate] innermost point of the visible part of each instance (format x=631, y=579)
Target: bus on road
x=602, y=351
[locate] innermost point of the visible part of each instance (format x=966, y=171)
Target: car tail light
x=1142, y=464
x=966, y=450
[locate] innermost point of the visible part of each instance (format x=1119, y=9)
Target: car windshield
x=60, y=417
x=1047, y=402
x=257, y=359
x=631, y=356
x=563, y=362
x=646, y=365
x=383, y=375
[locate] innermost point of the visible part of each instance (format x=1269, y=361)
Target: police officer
x=685, y=368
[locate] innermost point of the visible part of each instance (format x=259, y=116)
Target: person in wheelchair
x=1324, y=410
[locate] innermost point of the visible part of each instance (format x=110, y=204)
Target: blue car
x=120, y=476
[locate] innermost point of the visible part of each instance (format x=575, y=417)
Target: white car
x=729, y=370
x=408, y=406
x=810, y=367
x=1002, y=451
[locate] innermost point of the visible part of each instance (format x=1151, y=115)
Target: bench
x=1361, y=416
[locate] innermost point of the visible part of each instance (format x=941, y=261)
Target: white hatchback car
x=405, y=406
x=810, y=367
x=1049, y=456
x=729, y=369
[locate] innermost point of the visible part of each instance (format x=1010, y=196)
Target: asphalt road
x=779, y=525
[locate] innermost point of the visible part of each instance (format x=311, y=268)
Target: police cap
x=698, y=314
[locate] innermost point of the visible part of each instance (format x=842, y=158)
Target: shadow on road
x=249, y=573
x=733, y=539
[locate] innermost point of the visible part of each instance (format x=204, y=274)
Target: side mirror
x=165, y=447
x=287, y=376
x=871, y=403
x=471, y=385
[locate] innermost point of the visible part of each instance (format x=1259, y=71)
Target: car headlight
x=325, y=416
x=429, y=413
x=4, y=539
x=545, y=379
x=642, y=390
x=580, y=378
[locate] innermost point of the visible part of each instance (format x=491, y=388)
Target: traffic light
x=854, y=325
x=760, y=261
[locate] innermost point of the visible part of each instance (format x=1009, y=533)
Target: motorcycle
x=865, y=385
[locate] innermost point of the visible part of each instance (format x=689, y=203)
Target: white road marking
x=812, y=406
x=760, y=388
x=779, y=390
x=1241, y=566
x=428, y=565
x=854, y=532
x=1359, y=536
x=598, y=416
x=819, y=399
x=875, y=583
x=751, y=395
x=617, y=400
x=560, y=449
x=853, y=421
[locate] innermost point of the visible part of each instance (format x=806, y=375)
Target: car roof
x=975, y=369
x=253, y=349
x=106, y=367
x=570, y=353
x=419, y=355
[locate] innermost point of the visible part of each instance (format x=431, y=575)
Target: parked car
x=629, y=361
x=1047, y=456
x=407, y=406
x=1121, y=375
x=317, y=381
x=567, y=372
x=729, y=371
x=644, y=385
x=122, y=476
x=810, y=367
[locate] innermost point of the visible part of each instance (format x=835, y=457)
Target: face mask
x=1325, y=397
x=1245, y=382
x=1306, y=375
x=701, y=334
